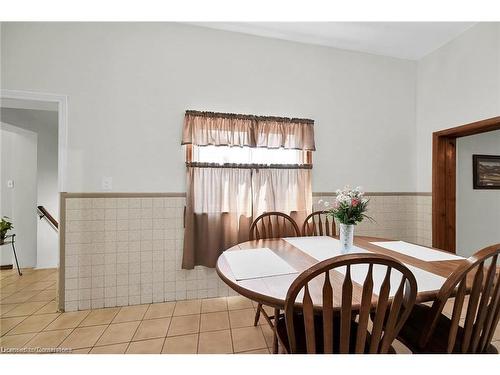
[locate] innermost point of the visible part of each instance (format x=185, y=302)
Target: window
x=246, y=155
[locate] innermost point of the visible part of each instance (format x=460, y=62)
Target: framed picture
x=486, y=171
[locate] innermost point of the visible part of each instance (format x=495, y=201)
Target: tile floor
x=29, y=319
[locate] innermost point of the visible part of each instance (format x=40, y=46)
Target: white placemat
x=320, y=247
x=426, y=281
x=256, y=263
x=416, y=251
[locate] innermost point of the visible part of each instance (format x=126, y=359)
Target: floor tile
x=49, y=308
x=153, y=346
x=118, y=333
x=242, y=318
x=20, y=297
x=248, y=338
x=154, y=328
x=268, y=333
x=187, y=307
x=238, y=302
x=400, y=348
x=80, y=351
x=160, y=310
x=83, y=337
x=130, y=313
x=44, y=295
x=110, y=349
x=215, y=321
x=34, y=323
x=184, y=325
x=16, y=341
x=100, y=316
x=4, y=309
x=6, y=324
x=25, y=309
x=67, y=320
x=258, y=351
x=186, y=344
x=215, y=342
x=49, y=339
x=213, y=305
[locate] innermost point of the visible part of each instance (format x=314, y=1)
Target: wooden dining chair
x=272, y=225
x=319, y=224
x=428, y=330
x=323, y=319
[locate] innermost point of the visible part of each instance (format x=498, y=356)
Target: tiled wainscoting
x=124, y=249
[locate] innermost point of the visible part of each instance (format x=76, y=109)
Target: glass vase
x=346, y=237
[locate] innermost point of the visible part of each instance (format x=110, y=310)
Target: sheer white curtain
x=218, y=213
x=282, y=190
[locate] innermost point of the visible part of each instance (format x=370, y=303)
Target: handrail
x=43, y=213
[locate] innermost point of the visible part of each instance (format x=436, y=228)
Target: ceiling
x=406, y=40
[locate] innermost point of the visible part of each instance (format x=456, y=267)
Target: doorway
x=44, y=116
x=444, y=176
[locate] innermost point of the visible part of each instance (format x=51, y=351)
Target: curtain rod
x=248, y=117
x=248, y=166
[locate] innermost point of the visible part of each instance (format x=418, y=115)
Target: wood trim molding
x=182, y=195
x=444, y=179
x=379, y=194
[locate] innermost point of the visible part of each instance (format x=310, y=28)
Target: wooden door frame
x=444, y=179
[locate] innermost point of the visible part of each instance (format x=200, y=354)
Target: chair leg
x=257, y=314
x=15, y=257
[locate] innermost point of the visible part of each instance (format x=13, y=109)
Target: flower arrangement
x=5, y=226
x=349, y=206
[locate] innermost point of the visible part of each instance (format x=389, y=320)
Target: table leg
x=275, y=339
x=15, y=257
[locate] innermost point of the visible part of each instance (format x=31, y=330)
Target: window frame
x=307, y=157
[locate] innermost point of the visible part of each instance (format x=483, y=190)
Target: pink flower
x=355, y=202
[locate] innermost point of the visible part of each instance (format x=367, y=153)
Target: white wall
x=129, y=85
x=478, y=211
x=44, y=123
x=457, y=84
x=19, y=163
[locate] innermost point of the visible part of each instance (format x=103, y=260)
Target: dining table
x=263, y=270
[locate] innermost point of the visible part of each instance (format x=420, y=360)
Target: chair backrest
x=319, y=224
x=273, y=225
x=390, y=308
x=479, y=275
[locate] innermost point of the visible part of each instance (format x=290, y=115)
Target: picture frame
x=486, y=171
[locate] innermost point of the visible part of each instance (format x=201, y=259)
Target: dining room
x=280, y=189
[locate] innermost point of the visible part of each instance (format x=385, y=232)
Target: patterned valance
x=228, y=129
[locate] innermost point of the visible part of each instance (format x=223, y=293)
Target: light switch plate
x=10, y=184
x=107, y=183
